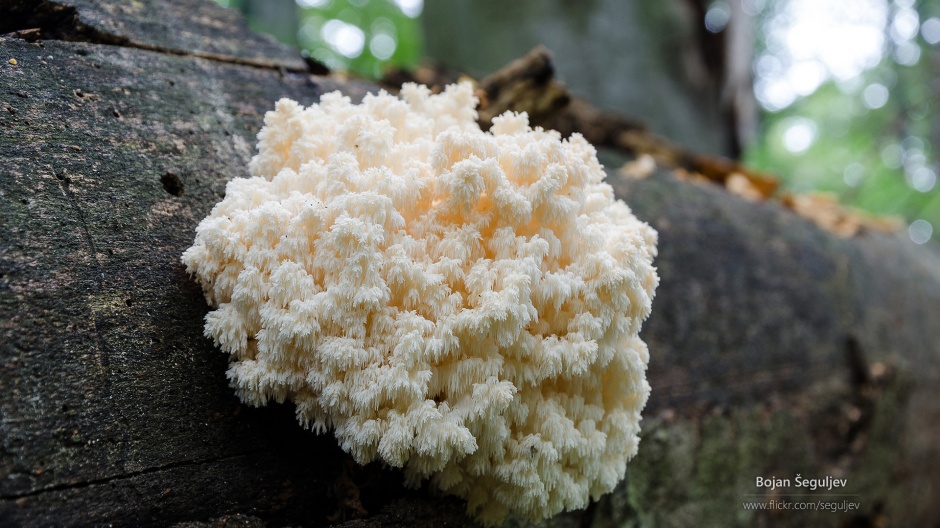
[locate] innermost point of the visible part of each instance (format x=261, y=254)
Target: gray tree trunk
x=651, y=60
x=777, y=348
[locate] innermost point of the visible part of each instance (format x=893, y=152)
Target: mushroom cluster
x=461, y=304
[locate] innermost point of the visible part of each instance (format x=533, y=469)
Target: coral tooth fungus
x=462, y=304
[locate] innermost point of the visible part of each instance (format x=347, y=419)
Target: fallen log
x=778, y=348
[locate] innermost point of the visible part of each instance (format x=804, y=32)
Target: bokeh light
x=811, y=41
x=382, y=46
x=717, y=16
x=411, y=8
x=799, y=135
x=364, y=36
x=922, y=179
x=853, y=174
x=346, y=39
x=875, y=96
x=920, y=231
x=931, y=30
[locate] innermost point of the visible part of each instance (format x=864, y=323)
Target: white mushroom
x=461, y=304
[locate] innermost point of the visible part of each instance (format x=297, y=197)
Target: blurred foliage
x=331, y=30
x=362, y=36
x=870, y=140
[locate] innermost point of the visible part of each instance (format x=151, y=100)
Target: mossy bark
x=777, y=348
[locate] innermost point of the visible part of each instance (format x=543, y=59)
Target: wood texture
x=180, y=27
x=777, y=348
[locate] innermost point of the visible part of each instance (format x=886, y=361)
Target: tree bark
x=777, y=348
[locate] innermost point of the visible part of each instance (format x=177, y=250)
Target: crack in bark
x=48, y=20
x=65, y=187
x=124, y=476
x=218, y=57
